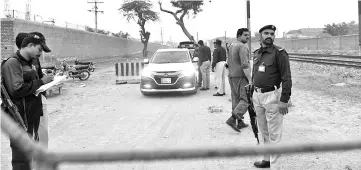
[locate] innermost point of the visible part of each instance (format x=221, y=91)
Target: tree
x=185, y=8
x=256, y=37
x=140, y=11
x=341, y=28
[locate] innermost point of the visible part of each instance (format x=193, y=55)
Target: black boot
x=232, y=122
x=241, y=124
x=262, y=164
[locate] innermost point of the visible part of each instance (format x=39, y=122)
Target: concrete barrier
x=128, y=72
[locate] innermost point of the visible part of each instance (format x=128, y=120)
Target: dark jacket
x=277, y=70
x=219, y=54
x=21, y=79
x=204, y=54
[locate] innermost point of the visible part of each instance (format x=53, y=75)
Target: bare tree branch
x=163, y=10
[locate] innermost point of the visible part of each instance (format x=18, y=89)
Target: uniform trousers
x=220, y=76
x=270, y=121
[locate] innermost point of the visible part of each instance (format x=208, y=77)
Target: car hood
x=169, y=67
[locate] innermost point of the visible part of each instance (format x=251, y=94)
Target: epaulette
x=279, y=48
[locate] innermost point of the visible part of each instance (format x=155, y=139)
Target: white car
x=169, y=70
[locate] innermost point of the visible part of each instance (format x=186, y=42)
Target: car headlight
x=147, y=73
x=188, y=72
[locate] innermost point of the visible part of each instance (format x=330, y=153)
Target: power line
x=95, y=9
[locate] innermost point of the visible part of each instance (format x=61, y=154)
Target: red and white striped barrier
x=128, y=72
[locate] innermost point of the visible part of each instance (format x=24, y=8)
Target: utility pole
x=359, y=26
x=28, y=10
x=249, y=28
x=96, y=13
x=225, y=38
x=161, y=34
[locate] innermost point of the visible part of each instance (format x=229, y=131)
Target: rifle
x=251, y=111
x=9, y=106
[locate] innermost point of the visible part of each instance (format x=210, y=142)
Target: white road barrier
x=128, y=72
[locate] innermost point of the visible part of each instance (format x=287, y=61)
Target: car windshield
x=170, y=57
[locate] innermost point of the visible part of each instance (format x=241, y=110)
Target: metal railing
x=50, y=160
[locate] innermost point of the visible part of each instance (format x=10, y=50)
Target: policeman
x=21, y=80
x=195, y=54
x=218, y=65
x=204, y=63
x=272, y=90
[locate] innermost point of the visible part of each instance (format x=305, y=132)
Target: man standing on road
x=204, y=63
x=239, y=75
x=272, y=90
x=21, y=80
x=43, y=126
x=218, y=64
x=196, y=54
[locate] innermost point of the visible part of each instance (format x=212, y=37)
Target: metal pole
x=161, y=34
x=359, y=25
x=96, y=17
x=249, y=27
x=225, y=37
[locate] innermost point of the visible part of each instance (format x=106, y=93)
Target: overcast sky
x=217, y=17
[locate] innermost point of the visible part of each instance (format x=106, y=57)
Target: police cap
x=218, y=41
x=271, y=27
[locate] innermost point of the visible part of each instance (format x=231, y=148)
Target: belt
x=266, y=89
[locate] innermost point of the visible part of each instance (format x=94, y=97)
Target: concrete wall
x=66, y=42
x=346, y=42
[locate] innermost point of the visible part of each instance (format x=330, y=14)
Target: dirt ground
x=103, y=115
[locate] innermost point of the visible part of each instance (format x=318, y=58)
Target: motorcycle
x=75, y=71
x=49, y=70
x=90, y=64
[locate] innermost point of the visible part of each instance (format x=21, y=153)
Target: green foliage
x=140, y=10
x=100, y=31
x=341, y=28
x=121, y=35
x=188, y=6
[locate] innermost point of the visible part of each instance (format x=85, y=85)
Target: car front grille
x=172, y=75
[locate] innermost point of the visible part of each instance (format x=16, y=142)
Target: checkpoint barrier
x=128, y=72
x=50, y=160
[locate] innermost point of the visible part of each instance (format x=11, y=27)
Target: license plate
x=166, y=80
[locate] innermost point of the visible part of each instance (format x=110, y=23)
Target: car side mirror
x=195, y=59
x=146, y=61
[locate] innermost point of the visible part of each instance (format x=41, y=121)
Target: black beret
x=271, y=27
x=218, y=41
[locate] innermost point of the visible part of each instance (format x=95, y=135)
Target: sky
x=219, y=17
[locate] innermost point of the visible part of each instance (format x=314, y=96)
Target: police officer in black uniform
x=272, y=90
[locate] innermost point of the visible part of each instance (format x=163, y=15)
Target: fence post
x=340, y=44
x=317, y=43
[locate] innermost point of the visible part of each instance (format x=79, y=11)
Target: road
x=103, y=115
